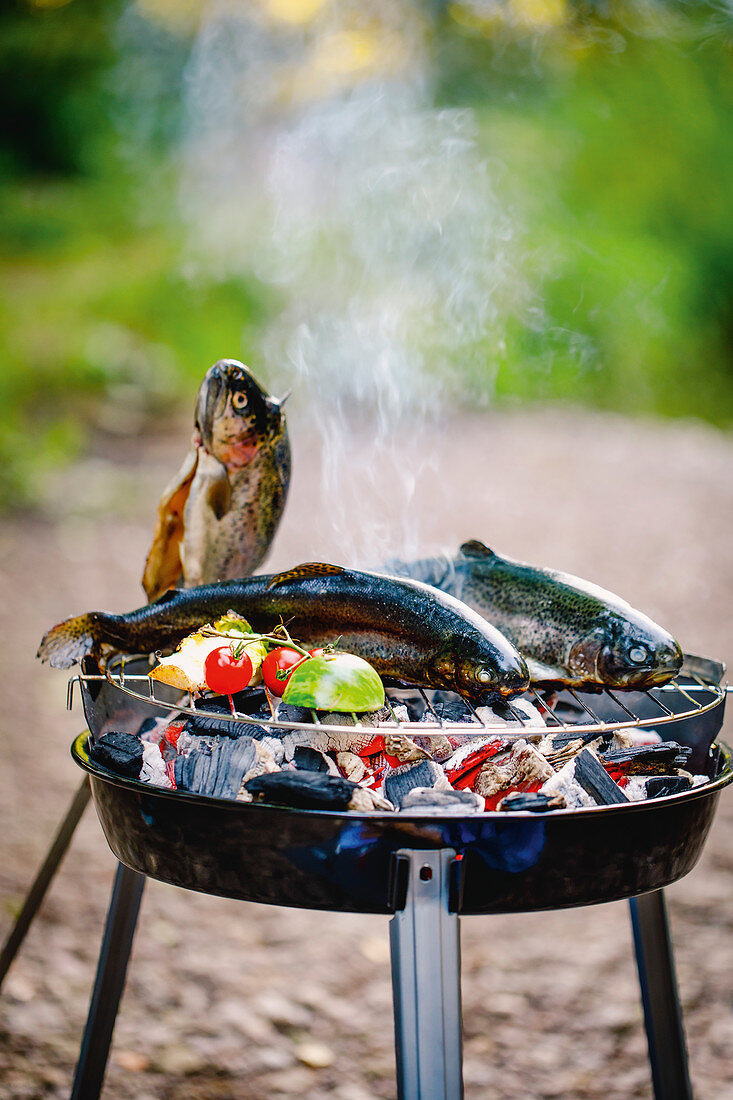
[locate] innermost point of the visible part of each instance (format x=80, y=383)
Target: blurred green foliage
x=618, y=155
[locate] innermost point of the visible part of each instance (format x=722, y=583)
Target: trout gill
x=219, y=514
x=570, y=632
x=405, y=629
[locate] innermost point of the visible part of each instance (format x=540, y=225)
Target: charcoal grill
x=424, y=871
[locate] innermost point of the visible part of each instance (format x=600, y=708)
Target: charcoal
x=660, y=785
x=216, y=770
x=658, y=759
x=595, y=780
x=288, y=713
x=310, y=760
x=215, y=721
x=302, y=790
x=565, y=784
x=398, y=783
x=524, y=766
x=453, y=710
x=533, y=801
x=429, y=800
x=120, y=752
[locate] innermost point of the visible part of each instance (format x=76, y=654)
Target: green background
x=616, y=140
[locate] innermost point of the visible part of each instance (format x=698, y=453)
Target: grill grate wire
x=673, y=702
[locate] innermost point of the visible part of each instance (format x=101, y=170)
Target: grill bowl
x=343, y=861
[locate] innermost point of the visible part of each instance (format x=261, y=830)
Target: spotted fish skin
x=219, y=514
x=405, y=629
x=571, y=633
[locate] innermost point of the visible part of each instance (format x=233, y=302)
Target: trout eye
x=239, y=400
x=638, y=654
x=483, y=676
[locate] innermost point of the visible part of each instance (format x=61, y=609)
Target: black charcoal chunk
x=310, y=760
x=120, y=752
x=216, y=769
x=424, y=800
x=660, y=785
x=595, y=780
x=533, y=801
x=399, y=783
x=286, y=712
x=453, y=710
x=659, y=759
x=215, y=717
x=302, y=790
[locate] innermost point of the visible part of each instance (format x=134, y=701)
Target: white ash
x=264, y=763
x=153, y=769
x=364, y=800
x=436, y=745
x=637, y=738
x=470, y=746
x=564, y=783
x=488, y=717
x=533, y=715
x=274, y=746
x=697, y=780
x=635, y=788
x=525, y=765
x=404, y=748
x=433, y=800
x=351, y=765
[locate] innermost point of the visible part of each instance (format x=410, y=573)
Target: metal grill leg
x=108, y=985
x=44, y=878
x=426, y=979
x=662, y=1012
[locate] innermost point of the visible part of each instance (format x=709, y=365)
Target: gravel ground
x=226, y=999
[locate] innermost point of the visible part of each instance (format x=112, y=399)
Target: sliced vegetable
x=335, y=681
x=278, y=665
x=184, y=669
x=227, y=669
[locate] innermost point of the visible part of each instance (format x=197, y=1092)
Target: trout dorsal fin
x=304, y=571
x=475, y=549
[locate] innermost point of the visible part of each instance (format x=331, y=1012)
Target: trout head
x=476, y=676
x=625, y=653
x=235, y=417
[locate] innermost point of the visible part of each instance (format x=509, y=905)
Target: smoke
x=316, y=160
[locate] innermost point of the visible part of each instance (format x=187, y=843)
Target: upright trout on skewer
x=219, y=514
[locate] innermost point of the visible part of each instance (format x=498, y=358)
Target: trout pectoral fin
x=302, y=572
x=475, y=549
x=163, y=566
x=219, y=492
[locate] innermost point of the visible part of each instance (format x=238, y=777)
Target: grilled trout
x=219, y=514
x=570, y=632
x=405, y=629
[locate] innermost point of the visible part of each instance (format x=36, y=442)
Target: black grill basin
x=343, y=861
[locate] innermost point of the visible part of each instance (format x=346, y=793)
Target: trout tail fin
x=69, y=641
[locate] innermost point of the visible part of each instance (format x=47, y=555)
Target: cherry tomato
x=224, y=673
x=277, y=666
x=316, y=652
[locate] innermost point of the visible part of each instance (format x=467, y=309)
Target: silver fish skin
x=571, y=633
x=219, y=514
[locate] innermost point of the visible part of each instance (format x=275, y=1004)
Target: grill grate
x=693, y=693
